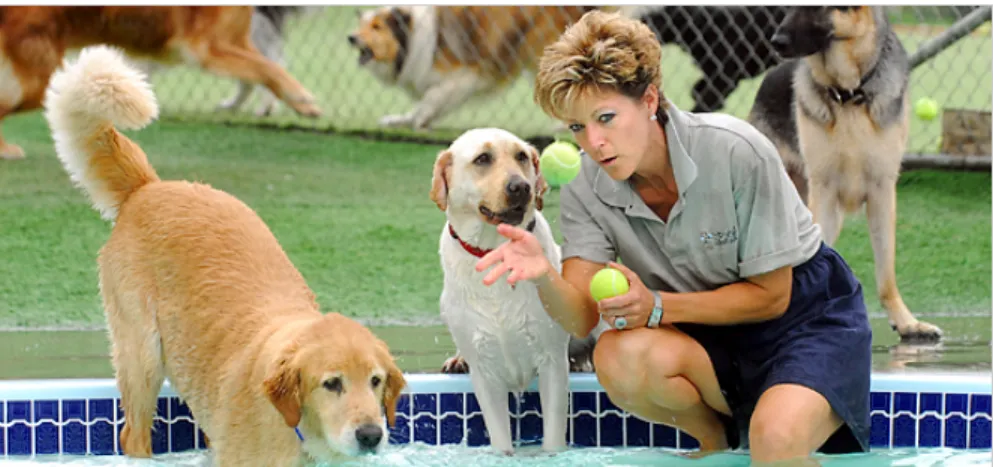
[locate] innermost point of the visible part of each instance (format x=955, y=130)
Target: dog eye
x=333, y=385
x=483, y=159
x=375, y=381
x=522, y=156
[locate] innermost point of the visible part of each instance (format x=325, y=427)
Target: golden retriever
x=196, y=288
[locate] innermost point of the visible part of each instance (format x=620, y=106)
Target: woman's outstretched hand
x=522, y=256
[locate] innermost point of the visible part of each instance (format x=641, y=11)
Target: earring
x=653, y=117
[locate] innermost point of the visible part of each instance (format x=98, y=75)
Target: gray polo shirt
x=738, y=213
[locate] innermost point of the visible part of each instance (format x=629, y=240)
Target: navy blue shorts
x=823, y=342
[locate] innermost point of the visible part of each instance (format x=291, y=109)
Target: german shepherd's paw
x=455, y=365
x=918, y=331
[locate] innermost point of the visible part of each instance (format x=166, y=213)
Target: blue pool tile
x=400, y=431
x=880, y=401
x=929, y=426
x=102, y=415
x=979, y=427
x=182, y=432
x=956, y=407
x=18, y=432
x=530, y=426
x=687, y=442
x=46, y=432
x=584, y=425
x=531, y=429
x=3, y=428
x=611, y=422
x=160, y=429
x=475, y=434
x=638, y=432
x=663, y=436
x=73, y=429
x=905, y=425
x=451, y=425
x=425, y=418
x=201, y=439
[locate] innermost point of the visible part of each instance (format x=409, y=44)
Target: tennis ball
x=926, y=108
x=559, y=163
x=608, y=282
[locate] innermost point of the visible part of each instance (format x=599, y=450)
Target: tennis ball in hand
x=559, y=163
x=608, y=282
x=926, y=108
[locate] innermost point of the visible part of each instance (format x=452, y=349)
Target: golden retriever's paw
x=11, y=152
x=396, y=121
x=137, y=445
x=918, y=331
x=455, y=365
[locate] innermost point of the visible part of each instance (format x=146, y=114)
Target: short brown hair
x=600, y=52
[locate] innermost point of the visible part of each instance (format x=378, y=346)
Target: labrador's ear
x=540, y=186
x=282, y=386
x=439, y=179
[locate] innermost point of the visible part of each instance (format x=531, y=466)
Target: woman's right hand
x=522, y=255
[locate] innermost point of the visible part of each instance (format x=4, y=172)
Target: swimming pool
x=935, y=412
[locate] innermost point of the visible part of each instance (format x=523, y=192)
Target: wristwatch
x=656, y=317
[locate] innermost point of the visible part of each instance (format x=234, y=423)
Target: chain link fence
x=713, y=59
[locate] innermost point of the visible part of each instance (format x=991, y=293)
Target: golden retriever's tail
x=86, y=101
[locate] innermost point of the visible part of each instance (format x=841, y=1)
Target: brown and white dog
x=196, y=288
x=34, y=39
x=444, y=56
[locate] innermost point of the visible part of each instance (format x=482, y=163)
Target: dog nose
x=780, y=41
x=352, y=39
x=369, y=436
x=518, y=190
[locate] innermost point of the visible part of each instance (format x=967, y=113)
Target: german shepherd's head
x=807, y=30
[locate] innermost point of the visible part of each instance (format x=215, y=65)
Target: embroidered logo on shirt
x=712, y=239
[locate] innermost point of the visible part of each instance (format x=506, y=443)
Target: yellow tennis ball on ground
x=608, y=282
x=559, y=163
x=926, y=108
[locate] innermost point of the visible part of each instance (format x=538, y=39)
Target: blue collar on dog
x=299, y=435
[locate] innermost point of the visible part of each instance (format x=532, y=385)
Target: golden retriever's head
x=338, y=383
x=381, y=39
x=489, y=172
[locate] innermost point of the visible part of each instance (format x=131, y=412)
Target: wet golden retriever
x=197, y=289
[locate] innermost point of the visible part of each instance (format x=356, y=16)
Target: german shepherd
x=837, y=110
x=727, y=43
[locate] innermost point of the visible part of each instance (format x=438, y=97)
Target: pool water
x=423, y=455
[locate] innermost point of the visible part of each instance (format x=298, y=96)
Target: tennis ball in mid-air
x=608, y=282
x=560, y=163
x=926, y=108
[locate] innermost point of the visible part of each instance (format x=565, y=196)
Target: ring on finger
x=620, y=322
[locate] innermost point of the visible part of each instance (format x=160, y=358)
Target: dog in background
x=486, y=177
x=196, y=288
x=445, y=56
x=727, y=43
x=269, y=36
x=34, y=39
x=837, y=110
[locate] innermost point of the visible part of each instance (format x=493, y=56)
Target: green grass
x=355, y=217
x=320, y=57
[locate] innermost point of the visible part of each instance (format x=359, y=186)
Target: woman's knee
x=627, y=358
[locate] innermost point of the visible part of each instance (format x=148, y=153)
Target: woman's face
x=614, y=130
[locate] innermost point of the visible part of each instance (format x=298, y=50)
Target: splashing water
x=423, y=455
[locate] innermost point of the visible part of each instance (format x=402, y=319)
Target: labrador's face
x=490, y=172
